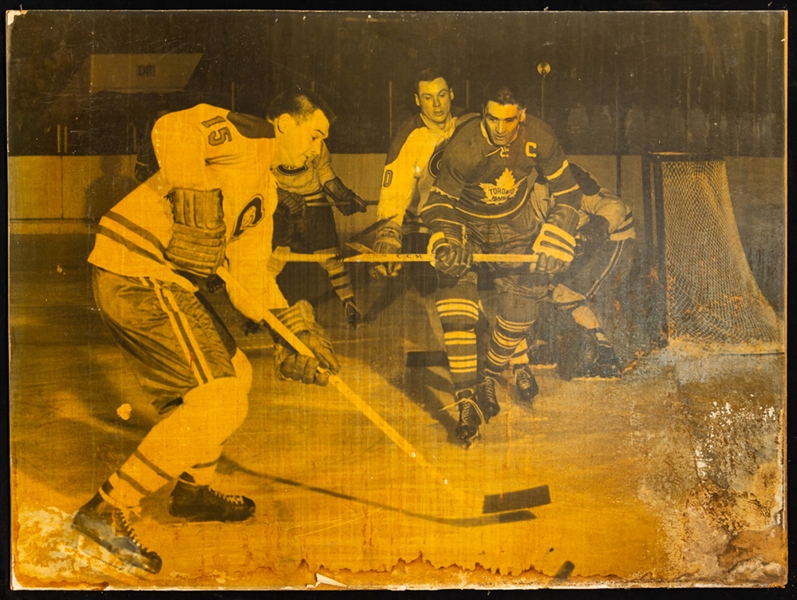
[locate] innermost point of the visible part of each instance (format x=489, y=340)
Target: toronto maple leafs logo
x=504, y=189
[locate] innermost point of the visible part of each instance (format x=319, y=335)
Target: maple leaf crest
x=504, y=189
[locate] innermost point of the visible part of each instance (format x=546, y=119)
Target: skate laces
x=231, y=498
x=127, y=528
x=466, y=404
x=522, y=376
x=488, y=387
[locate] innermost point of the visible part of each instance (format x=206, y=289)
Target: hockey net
x=711, y=297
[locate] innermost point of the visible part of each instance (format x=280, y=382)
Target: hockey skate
x=605, y=366
x=353, y=315
x=111, y=528
x=200, y=503
x=487, y=393
x=525, y=382
x=470, y=417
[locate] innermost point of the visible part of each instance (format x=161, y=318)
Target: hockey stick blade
x=510, y=501
x=471, y=520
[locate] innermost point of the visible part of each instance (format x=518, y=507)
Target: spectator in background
x=635, y=131
x=577, y=127
x=698, y=130
x=113, y=184
x=601, y=138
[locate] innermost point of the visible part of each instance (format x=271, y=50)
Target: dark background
x=710, y=82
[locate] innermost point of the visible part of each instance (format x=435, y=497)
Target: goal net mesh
x=712, y=296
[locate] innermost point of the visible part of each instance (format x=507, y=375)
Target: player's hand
x=251, y=327
x=388, y=241
x=300, y=320
x=307, y=369
x=346, y=201
x=595, y=231
x=199, y=233
x=299, y=367
x=548, y=264
x=555, y=249
x=293, y=204
x=452, y=259
x=354, y=205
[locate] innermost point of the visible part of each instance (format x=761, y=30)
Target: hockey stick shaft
x=383, y=258
x=252, y=310
x=403, y=258
x=495, y=503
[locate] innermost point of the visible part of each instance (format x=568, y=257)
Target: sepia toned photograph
x=396, y=300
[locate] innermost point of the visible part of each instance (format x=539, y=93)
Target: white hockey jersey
x=412, y=164
x=201, y=148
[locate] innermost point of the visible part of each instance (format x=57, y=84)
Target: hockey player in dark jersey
x=480, y=203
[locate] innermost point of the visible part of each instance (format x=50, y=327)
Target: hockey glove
x=346, y=201
x=290, y=364
x=388, y=241
x=555, y=244
x=291, y=203
x=594, y=232
x=198, y=233
x=251, y=327
x=448, y=246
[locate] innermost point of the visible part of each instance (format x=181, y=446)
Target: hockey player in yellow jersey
x=211, y=203
x=411, y=166
x=304, y=223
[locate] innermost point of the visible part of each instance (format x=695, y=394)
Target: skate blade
x=597, y=378
x=107, y=563
x=469, y=443
x=542, y=366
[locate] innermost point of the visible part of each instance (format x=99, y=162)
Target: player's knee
x=516, y=308
x=566, y=299
x=333, y=264
x=217, y=408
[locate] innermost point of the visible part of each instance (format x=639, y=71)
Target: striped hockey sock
x=136, y=478
x=338, y=277
x=521, y=354
x=202, y=474
x=506, y=336
x=459, y=317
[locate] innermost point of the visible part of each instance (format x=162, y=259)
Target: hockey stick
x=493, y=503
x=369, y=256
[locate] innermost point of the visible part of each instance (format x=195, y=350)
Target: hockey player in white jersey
x=604, y=255
x=412, y=163
x=304, y=223
x=210, y=204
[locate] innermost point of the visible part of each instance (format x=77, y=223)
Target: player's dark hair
x=300, y=104
x=503, y=93
x=430, y=74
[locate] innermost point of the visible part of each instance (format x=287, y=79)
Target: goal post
x=704, y=290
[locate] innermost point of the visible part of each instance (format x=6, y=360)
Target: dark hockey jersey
x=479, y=181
